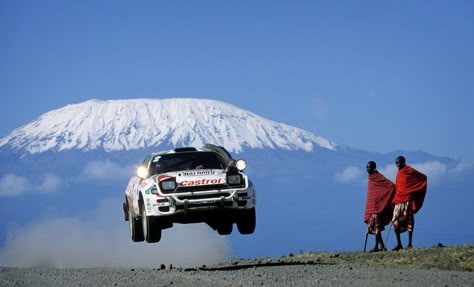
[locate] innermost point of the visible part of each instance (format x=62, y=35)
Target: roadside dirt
x=437, y=266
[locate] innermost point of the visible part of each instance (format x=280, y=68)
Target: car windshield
x=186, y=161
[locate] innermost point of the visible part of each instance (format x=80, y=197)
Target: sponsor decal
x=148, y=205
x=204, y=181
x=197, y=172
x=163, y=177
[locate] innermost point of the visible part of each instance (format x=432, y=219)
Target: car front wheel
x=151, y=228
x=135, y=225
x=247, y=221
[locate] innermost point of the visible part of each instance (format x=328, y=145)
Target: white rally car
x=189, y=185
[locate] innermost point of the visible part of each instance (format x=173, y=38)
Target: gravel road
x=430, y=267
x=285, y=275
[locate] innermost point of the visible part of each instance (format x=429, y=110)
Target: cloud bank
x=434, y=170
x=106, y=170
x=350, y=174
x=15, y=185
x=101, y=239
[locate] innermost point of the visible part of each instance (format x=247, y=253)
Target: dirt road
x=451, y=266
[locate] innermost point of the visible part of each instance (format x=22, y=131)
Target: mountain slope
x=116, y=125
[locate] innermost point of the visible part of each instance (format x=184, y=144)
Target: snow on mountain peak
x=115, y=125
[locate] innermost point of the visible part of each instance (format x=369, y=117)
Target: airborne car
x=189, y=185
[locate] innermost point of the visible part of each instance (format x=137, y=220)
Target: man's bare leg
x=410, y=237
x=399, y=241
x=380, y=242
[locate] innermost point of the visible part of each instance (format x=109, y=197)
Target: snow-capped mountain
x=117, y=125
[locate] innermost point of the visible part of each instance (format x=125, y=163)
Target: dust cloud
x=100, y=238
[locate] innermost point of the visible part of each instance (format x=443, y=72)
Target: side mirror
x=142, y=172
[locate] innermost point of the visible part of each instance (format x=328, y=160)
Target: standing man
x=409, y=196
x=378, y=207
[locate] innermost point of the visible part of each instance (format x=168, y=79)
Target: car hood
x=196, y=177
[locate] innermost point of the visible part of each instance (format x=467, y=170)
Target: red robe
x=380, y=192
x=410, y=186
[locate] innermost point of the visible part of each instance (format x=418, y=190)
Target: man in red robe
x=410, y=186
x=378, y=207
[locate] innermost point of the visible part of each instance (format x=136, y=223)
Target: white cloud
x=101, y=239
x=15, y=185
x=50, y=183
x=461, y=168
x=106, y=170
x=350, y=174
x=389, y=171
x=433, y=169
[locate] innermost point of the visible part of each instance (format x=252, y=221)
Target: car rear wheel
x=151, y=228
x=224, y=228
x=135, y=225
x=247, y=221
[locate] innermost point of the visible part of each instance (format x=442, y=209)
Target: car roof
x=206, y=148
x=178, y=150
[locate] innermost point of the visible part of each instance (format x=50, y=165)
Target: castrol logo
x=203, y=181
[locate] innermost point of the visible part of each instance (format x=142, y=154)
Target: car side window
x=146, y=162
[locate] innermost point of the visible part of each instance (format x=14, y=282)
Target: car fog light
x=168, y=184
x=234, y=179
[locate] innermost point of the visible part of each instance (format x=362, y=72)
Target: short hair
x=372, y=164
x=400, y=159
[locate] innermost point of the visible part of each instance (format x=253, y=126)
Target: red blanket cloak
x=410, y=185
x=380, y=192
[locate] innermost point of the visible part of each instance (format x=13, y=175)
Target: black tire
x=224, y=228
x=125, y=211
x=150, y=226
x=135, y=225
x=247, y=221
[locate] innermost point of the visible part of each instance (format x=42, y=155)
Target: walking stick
x=365, y=244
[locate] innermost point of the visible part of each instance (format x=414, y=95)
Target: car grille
x=207, y=204
x=215, y=196
x=198, y=188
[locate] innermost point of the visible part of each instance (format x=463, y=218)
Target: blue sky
x=374, y=75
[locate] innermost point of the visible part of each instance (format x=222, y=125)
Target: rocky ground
x=437, y=266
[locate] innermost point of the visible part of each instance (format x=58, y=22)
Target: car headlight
x=168, y=185
x=241, y=164
x=142, y=172
x=234, y=179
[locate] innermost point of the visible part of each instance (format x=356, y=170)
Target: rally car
x=189, y=185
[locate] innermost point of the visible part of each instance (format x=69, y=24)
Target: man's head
x=371, y=167
x=400, y=162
